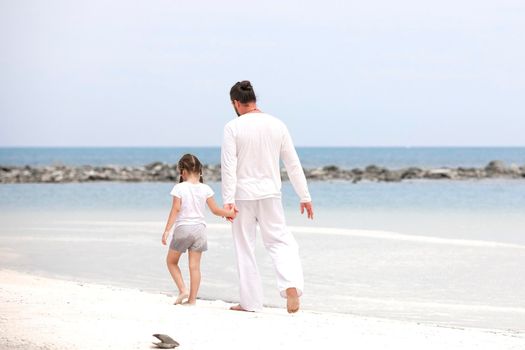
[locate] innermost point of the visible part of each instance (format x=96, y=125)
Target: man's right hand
x=309, y=209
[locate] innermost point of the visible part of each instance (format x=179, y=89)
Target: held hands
x=232, y=211
x=309, y=209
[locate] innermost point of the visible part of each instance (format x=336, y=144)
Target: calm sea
x=346, y=157
x=445, y=252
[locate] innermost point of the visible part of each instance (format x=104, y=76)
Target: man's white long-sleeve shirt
x=251, y=148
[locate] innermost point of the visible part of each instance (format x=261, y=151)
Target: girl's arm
x=175, y=208
x=219, y=211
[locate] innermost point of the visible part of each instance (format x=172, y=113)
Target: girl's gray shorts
x=192, y=237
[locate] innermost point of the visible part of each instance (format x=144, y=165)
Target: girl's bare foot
x=181, y=297
x=190, y=303
x=238, y=308
x=292, y=300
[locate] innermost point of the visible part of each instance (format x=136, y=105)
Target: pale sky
x=339, y=73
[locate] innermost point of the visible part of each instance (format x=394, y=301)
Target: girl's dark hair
x=243, y=92
x=191, y=164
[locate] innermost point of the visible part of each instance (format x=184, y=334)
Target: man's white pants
x=281, y=245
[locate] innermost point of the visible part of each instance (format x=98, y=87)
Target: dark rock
x=357, y=171
x=412, y=173
x=392, y=176
x=374, y=169
x=444, y=173
x=496, y=167
x=316, y=173
x=331, y=168
x=98, y=177
x=154, y=165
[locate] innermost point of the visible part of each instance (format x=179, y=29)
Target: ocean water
x=441, y=252
x=346, y=157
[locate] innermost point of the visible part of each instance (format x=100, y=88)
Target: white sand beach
x=44, y=313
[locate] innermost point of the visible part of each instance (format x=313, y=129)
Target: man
x=252, y=145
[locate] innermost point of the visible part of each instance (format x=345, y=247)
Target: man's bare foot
x=190, y=303
x=181, y=297
x=238, y=308
x=292, y=300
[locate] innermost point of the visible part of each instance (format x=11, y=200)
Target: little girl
x=190, y=196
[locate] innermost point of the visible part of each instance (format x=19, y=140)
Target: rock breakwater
x=163, y=172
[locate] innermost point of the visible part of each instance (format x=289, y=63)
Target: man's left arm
x=295, y=173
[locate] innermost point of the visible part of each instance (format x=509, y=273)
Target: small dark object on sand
x=166, y=342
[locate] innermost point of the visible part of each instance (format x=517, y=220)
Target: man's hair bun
x=243, y=92
x=245, y=85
